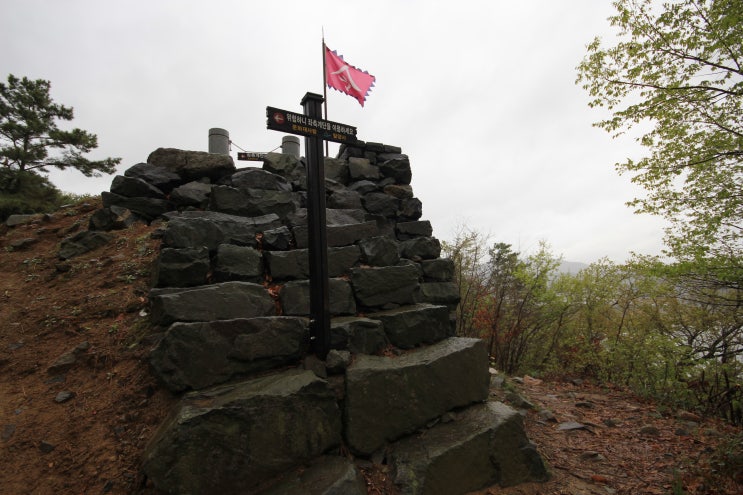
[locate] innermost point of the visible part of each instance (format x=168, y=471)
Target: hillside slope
x=78, y=405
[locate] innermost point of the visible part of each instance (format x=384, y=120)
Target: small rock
x=63, y=267
x=649, y=430
x=518, y=401
x=571, y=425
x=46, y=447
x=591, y=455
x=64, y=396
x=610, y=422
x=682, y=432
x=584, y=404
x=546, y=415
x=577, y=382
x=21, y=244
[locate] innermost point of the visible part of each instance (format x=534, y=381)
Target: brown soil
x=92, y=442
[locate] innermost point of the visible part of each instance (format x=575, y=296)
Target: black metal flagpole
x=324, y=84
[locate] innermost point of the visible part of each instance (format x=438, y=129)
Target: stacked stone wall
x=230, y=303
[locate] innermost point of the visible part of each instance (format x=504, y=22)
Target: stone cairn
x=230, y=296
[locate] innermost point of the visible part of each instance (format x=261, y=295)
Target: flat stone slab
x=210, y=229
x=411, y=326
x=483, y=445
x=238, y=436
x=224, y=301
x=387, y=398
x=202, y=354
x=358, y=335
x=378, y=286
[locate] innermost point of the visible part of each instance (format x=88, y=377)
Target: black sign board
x=296, y=123
x=251, y=156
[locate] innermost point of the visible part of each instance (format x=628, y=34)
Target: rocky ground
x=77, y=402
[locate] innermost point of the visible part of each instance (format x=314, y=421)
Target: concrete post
x=290, y=145
x=219, y=141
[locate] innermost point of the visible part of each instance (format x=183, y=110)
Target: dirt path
x=599, y=441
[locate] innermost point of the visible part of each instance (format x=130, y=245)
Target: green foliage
x=468, y=251
x=29, y=132
x=679, y=68
x=27, y=192
x=651, y=326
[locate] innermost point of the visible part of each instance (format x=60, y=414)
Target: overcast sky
x=481, y=96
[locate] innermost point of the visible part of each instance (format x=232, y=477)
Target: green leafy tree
x=678, y=67
x=30, y=139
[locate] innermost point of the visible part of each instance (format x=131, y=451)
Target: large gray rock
x=294, y=264
x=484, y=445
x=256, y=178
x=378, y=203
x=362, y=169
x=235, y=437
x=132, y=187
x=425, y=248
x=358, y=335
x=387, y=398
x=379, y=251
x=160, y=177
x=147, y=208
x=410, y=230
x=194, y=193
x=279, y=239
x=238, y=263
x=252, y=202
x=112, y=218
x=446, y=293
x=342, y=259
x=411, y=326
x=411, y=210
x=396, y=167
x=379, y=286
x=192, y=165
x=438, y=270
x=336, y=170
x=329, y=475
x=333, y=216
x=399, y=191
x=225, y=301
x=199, y=355
x=184, y=267
x=345, y=199
x=339, y=235
x=285, y=165
x=288, y=265
x=210, y=229
x=295, y=298
x=82, y=242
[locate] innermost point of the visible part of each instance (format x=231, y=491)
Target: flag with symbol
x=346, y=78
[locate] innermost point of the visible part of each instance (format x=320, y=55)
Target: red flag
x=346, y=78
